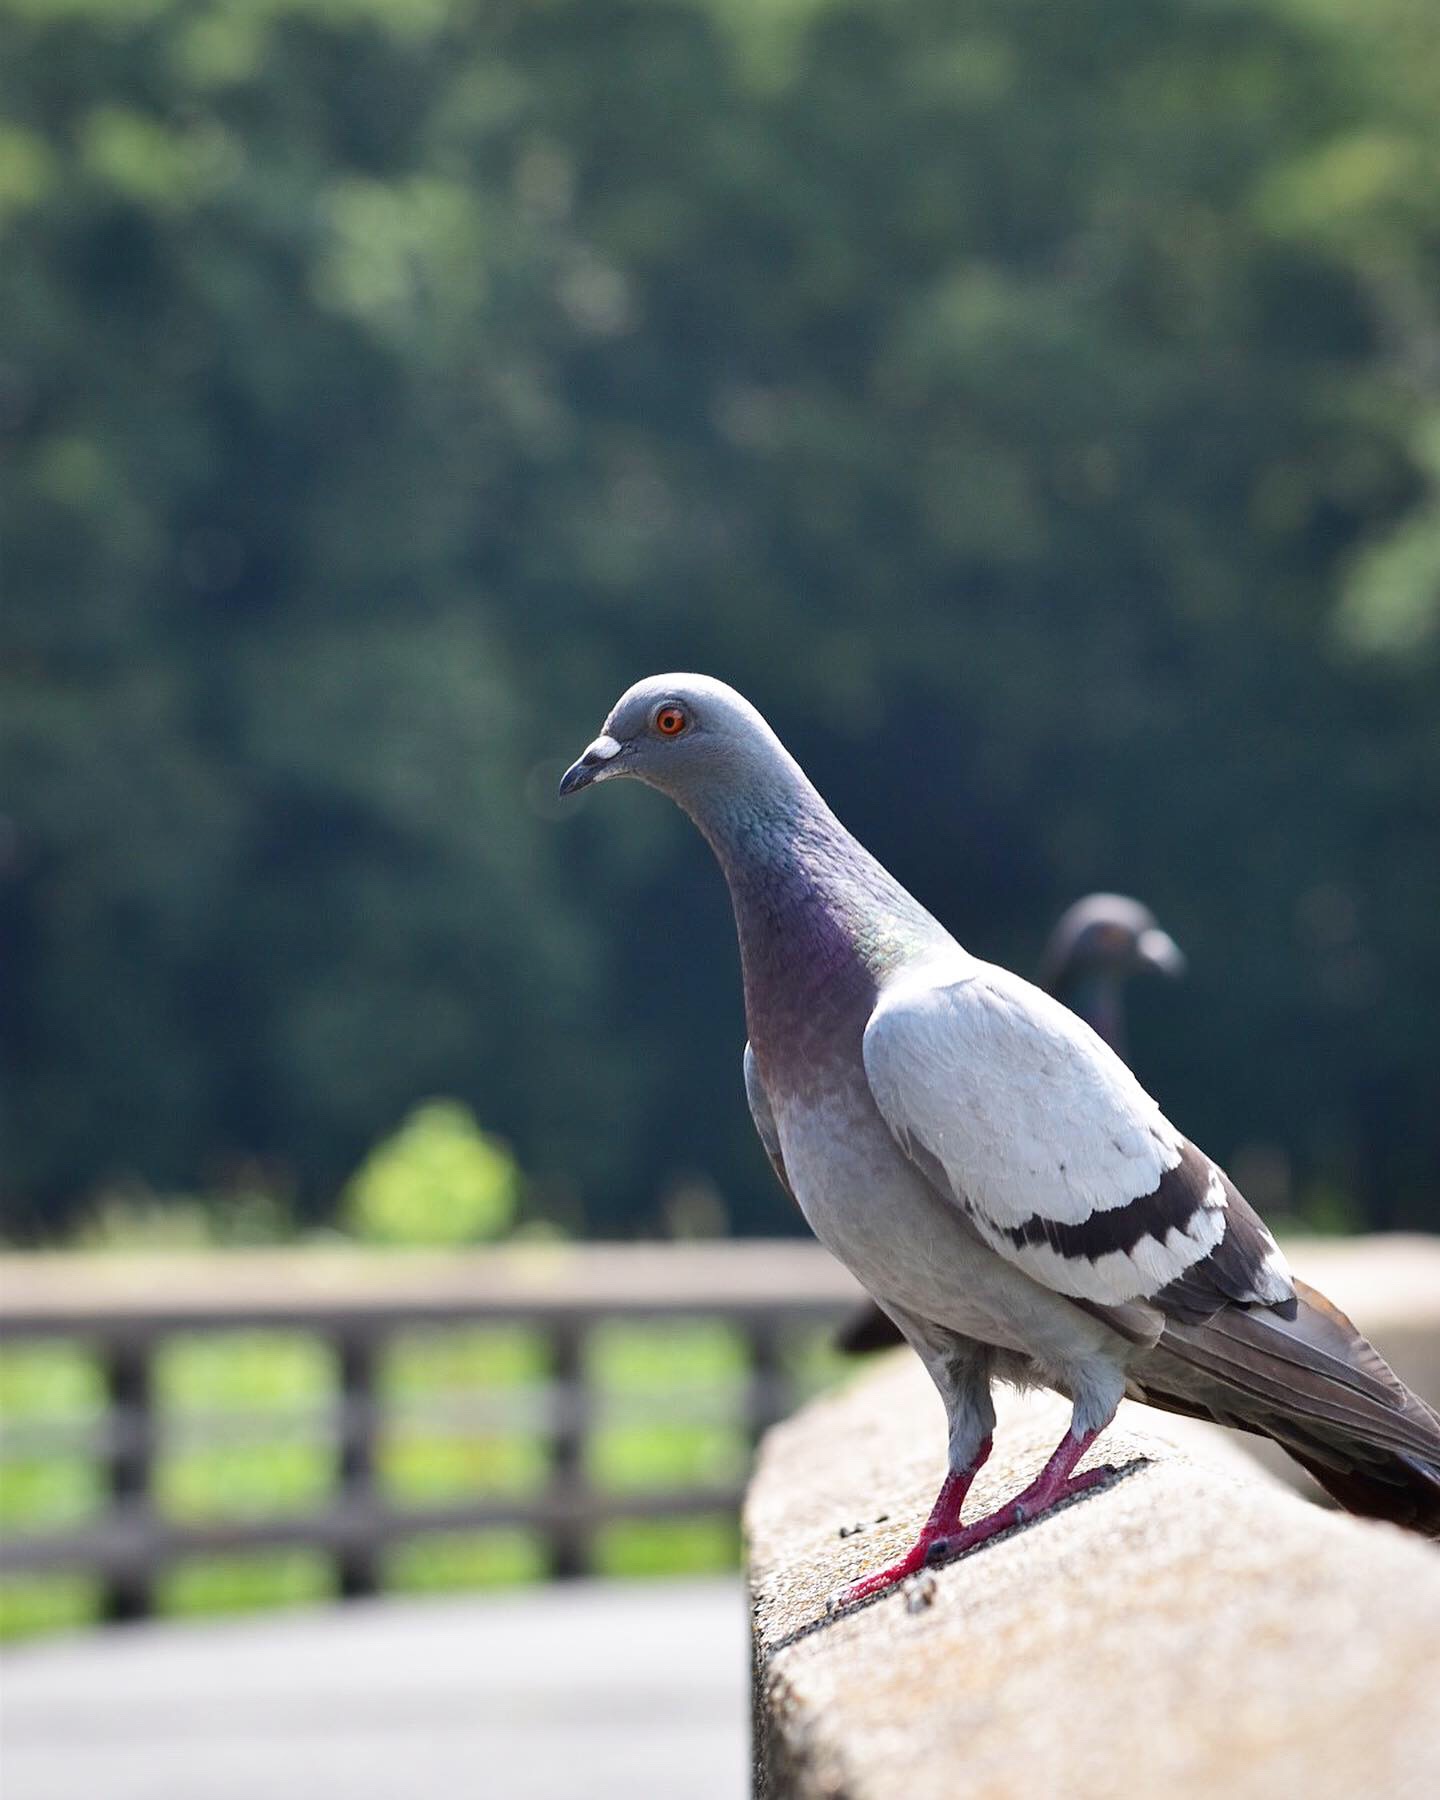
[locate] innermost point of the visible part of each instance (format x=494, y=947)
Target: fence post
x=129, y=1584
x=767, y=1385
x=569, y=1545
x=357, y=1563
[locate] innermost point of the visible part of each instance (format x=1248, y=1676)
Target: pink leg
x=944, y=1537
x=936, y=1534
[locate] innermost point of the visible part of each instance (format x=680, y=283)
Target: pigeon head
x=687, y=735
x=812, y=905
x=1107, y=935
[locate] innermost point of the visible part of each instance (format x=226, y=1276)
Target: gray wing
x=764, y=1117
x=1019, y=1114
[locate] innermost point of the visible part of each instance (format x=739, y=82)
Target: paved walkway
x=591, y=1691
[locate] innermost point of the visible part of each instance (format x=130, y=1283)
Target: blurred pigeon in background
x=988, y=1168
x=1095, y=948
x=1097, y=945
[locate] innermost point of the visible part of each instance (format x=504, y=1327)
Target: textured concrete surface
x=604, y=1691
x=1192, y=1628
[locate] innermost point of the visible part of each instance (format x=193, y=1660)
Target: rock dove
x=988, y=1168
x=1097, y=945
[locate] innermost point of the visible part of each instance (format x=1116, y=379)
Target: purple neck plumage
x=820, y=922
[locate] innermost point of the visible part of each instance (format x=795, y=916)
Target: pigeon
x=989, y=1169
x=1097, y=945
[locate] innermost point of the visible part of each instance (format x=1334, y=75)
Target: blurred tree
x=1012, y=397
x=438, y=1180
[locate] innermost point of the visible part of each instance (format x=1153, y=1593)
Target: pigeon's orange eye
x=670, y=721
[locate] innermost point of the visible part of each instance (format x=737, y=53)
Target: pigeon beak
x=1158, y=950
x=591, y=766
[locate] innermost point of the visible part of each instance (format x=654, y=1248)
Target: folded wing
x=1019, y=1113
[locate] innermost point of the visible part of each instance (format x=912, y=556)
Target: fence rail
x=125, y=1308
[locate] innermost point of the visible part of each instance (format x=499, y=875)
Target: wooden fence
x=124, y=1307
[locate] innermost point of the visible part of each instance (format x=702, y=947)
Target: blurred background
x=1035, y=409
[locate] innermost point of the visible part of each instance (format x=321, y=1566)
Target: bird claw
x=913, y=1570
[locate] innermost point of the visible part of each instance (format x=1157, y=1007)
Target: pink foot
x=936, y=1535
x=943, y=1539
x=915, y=1558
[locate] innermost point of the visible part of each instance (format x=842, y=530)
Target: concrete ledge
x=1191, y=1628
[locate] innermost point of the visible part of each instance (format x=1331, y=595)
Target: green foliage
x=137, y=1220
x=654, y=1373
x=438, y=1180
x=236, y=1584
x=1032, y=405
x=641, y=1547
x=1372, y=194
x=447, y=1562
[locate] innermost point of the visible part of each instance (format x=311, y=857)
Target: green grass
x=667, y=1412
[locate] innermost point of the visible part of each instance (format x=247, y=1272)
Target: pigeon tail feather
x=1407, y=1493
x=1320, y=1390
